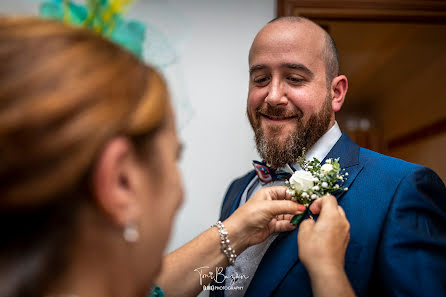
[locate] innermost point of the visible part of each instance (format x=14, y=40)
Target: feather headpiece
x=104, y=17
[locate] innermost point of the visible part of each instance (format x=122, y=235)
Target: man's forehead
x=283, y=36
x=303, y=26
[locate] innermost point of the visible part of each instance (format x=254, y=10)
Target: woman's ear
x=114, y=186
x=339, y=86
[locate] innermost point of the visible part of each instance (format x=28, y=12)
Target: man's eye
x=261, y=80
x=295, y=79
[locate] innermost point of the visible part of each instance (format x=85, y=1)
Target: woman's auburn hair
x=64, y=92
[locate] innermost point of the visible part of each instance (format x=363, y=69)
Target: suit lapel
x=282, y=256
x=278, y=260
x=346, y=150
x=348, y=153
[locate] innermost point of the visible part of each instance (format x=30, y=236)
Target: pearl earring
x=131, y=233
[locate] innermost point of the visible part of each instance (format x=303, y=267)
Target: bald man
x=397, y=210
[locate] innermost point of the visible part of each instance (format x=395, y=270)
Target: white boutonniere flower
x=302, y=181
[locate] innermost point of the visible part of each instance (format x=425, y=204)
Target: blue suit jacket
x=397, y=213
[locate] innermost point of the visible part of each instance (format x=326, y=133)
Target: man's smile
x=277, y=119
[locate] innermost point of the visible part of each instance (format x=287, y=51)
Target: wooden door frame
x=416, y=11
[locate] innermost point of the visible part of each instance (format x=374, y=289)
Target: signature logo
x=218, y=277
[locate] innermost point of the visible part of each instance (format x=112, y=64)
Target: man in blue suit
x=397, y=210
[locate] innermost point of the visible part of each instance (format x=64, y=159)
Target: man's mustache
x=273, y=111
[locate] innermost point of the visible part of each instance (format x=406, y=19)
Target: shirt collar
x=324, y=145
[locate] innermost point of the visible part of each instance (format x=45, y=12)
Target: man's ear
x=114, y=185
x=339, y=86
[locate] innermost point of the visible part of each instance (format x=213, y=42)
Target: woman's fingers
x=283, y=226
x=341, y=211
x=270, y=205
x=324, y=242
x=316, y=206
x=280, y=207
x=329, y=204
x=272, y=193
x=287, y=217
x=305, y=228
x=329, y=201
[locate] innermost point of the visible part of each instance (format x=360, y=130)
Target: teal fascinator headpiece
x=104, y=17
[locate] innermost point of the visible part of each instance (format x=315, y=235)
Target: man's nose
x=276, y=94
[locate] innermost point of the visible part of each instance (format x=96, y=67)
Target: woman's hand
x=322, y=247
x=322, y=244
x=268, y=211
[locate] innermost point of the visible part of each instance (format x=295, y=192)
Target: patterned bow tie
x=267, y=174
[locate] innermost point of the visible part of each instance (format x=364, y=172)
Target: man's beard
x=279, y=153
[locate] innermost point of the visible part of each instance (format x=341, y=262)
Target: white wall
x=210, y=74
x=218, y=140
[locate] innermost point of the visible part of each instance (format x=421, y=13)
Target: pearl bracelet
x=224, y=242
